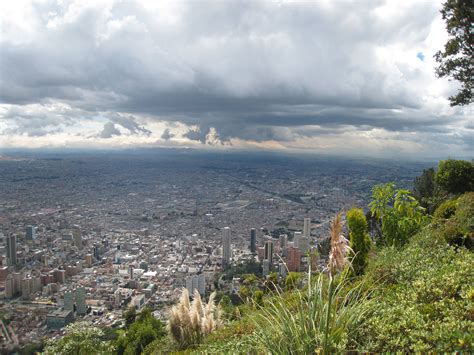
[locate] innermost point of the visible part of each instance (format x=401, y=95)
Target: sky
x=337, y=76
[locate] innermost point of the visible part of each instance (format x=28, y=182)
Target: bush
x=455, y=176
x=359, y=239
x=399, y=214
x=425, y=302
x=446, y=209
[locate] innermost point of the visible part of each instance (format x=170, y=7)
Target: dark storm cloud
x=248, y=69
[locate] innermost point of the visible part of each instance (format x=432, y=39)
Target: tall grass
x=189, y=323
x=320, y=318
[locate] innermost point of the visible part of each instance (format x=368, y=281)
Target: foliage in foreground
x=399, y=214
x=189, y=323
x=425, y=304
x=142, y=331
x=360, y=242
x=81, y=338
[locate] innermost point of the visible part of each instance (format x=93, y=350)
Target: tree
x=455, y=61
x=81, y=338
x=129, y=315
x=399, y=213
x=455, y=176
x=292, y=280
x=424, y=185
x=359, y=239
x=144, y=330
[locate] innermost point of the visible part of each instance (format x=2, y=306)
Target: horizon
x=324, y=78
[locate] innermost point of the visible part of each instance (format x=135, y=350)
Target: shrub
x=81, y=338
x=425, y=301
x=359, y=239
x=455, y=176
x=446, y=209
x=399, y=213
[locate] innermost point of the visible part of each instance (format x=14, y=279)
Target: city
x=86, y=236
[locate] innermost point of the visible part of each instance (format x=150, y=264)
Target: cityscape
x=85, y=236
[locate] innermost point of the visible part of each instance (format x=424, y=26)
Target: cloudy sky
x=339, y=76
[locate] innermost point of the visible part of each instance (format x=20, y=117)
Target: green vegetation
x=142, y=331
x=455, y=176
x=455, y=61
x=399, y=213
x=81, y=338
x=425, y=298
x=360, y=242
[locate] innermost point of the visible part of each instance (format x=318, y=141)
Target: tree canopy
x=455, y=60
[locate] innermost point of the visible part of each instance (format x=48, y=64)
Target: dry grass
x=189, y=323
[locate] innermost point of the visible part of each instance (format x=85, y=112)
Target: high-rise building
x=9, y=287
x=266, y=267
x=303, y=245
x=88, y=260
x=77, y=239
x=68, y=301
x=81, y=307
x=307, y=227
x=226, y=252
x=30, y=232
x=11, y=250
x=96, y=250
x=296, y=239
x=253, y=240
x=269, y=251
x=26, y=284
x=294, y=259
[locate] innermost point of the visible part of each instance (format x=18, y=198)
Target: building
x=303, y=245
x=226, y=251
x=307, y=227
x=138, y=301
x=294, y=259
x=26, y=288
x=266, y=267
x=58, y=319
x=196, y=282
x=269, y=251
x=88, y=260
x=9, y=287
x=69, y=301
x=11, y=250
x=81, y=307
x=253, y=240
x=77, y=237
x=296, y=239
x=30, y=233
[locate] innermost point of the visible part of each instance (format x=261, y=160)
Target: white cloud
x=250, y=74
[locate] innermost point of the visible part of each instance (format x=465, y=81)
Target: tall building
x=226, y=246
x=253, y=240
x=296, y=239
x=294, y=259
x=303, y=245
x=266, y=267
x=68, y=301
x=81, y=307
x=77, y=239
x=30, y=232
x=11, y=250
x=269, y=251
x=307, y=227
x=9, y=287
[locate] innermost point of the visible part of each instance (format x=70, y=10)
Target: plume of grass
x=320, y=318
x=189, y=323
